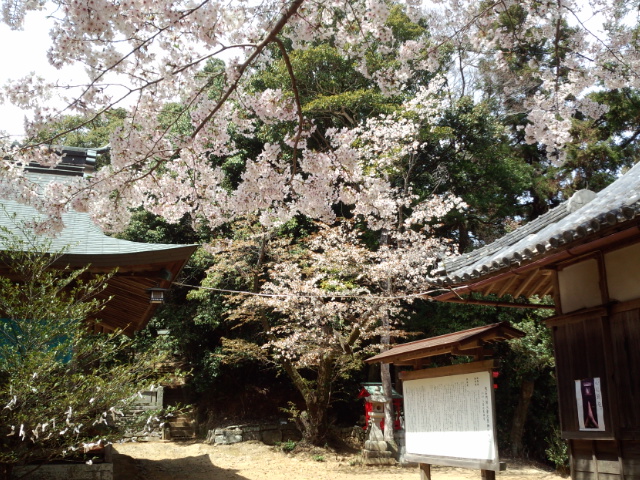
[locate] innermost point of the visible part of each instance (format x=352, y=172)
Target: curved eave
x=533, y=277
x=129, y=260
x=129, y=308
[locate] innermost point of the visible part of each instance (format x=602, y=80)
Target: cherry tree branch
x=296, y=95
x=291, y=11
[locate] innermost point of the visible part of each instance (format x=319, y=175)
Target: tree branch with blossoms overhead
x=153, y=51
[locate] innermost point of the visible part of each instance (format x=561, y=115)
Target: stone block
x=376, y=454
x=233, y=438
x=271, y=437
x=291, y=433
x=379, y=461
x=379, y=446
x=251, y=435
x=80, y=471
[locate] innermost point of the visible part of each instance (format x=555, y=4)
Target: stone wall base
x=76, y=471
x=270, y=434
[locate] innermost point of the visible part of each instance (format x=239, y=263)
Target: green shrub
x=288, y=446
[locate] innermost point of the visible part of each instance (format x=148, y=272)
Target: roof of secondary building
x=580, y=219
x=81, y=238
x=138, y=266
x=459, y=343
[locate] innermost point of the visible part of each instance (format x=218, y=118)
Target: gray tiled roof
x=581, y=216
x=81, y=236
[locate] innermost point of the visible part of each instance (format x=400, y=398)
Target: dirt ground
x=256, y=461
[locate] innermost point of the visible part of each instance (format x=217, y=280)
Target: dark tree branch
x=296, y=95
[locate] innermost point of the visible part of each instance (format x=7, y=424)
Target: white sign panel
x=451, y=416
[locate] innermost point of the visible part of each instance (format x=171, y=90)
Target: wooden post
x=487, y=475
x=425, y=471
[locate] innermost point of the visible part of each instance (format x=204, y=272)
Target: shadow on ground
x=192, y=468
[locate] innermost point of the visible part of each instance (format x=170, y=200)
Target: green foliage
x=332, y=92
x=287, y=447
x=601, y=148
x=403, y=28
x=557, y=452
x=468, y=154
x=60, y=386
x=86, y=132
x=175, y=119
x=532, y=354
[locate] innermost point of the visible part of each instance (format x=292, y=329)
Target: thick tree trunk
x=317, y=420
x=520, y=416
x=314, y=421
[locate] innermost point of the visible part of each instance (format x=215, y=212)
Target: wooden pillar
x=487, y=475
x=425, y=471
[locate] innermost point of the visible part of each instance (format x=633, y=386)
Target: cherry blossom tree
x=327, y=304
x=318, y=308
x=147, y=55
x=151, y=53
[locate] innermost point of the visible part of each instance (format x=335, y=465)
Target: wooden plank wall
x=593, y=460
x=625, y=339
x=580, y=353
x=605, y=460
x=604, y=344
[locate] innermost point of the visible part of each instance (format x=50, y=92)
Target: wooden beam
x=490, y=303
x=425, y=471
x=489, y=289
x=494, y=465
x=527, y=281
x=416, y=355
x=459, y=369
x=538, y=285
x=508, y=284
x=579, y=316
x=476, y=351
x=607, y=239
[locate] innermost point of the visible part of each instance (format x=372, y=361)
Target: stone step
x=379, y=461
x=376, y=454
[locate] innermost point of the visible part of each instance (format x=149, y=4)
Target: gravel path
x=256, y=461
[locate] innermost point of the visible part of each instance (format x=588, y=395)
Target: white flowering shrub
x=62, y=388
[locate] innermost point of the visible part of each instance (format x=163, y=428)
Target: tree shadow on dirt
x=198, y=467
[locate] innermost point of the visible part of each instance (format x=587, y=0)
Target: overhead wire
x=298, y=295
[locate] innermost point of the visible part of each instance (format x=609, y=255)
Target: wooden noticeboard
x=450, y=416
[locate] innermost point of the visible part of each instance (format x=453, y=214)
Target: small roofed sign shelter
x=585, y=254
x=449, y=411
x=141, y=268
